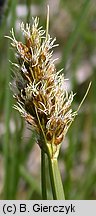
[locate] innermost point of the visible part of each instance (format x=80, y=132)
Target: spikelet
x=41, y=97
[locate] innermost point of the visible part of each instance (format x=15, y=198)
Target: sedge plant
x=42, y=98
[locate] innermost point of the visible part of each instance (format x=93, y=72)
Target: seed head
x=39, y=90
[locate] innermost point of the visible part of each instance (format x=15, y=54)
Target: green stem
x=15, y=163
x=43, y=176
x=76, y=32
x=8, y=105
x=6, y=146
x=55, y=178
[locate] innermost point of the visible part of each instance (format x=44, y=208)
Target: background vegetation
x=74, y=25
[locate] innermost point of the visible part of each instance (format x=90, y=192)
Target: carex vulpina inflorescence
x=39, y=89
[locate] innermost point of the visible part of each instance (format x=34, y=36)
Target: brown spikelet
x=41, y=97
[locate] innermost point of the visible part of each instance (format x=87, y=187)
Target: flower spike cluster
x=41, y=97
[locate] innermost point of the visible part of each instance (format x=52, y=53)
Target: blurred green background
x=74, y=25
